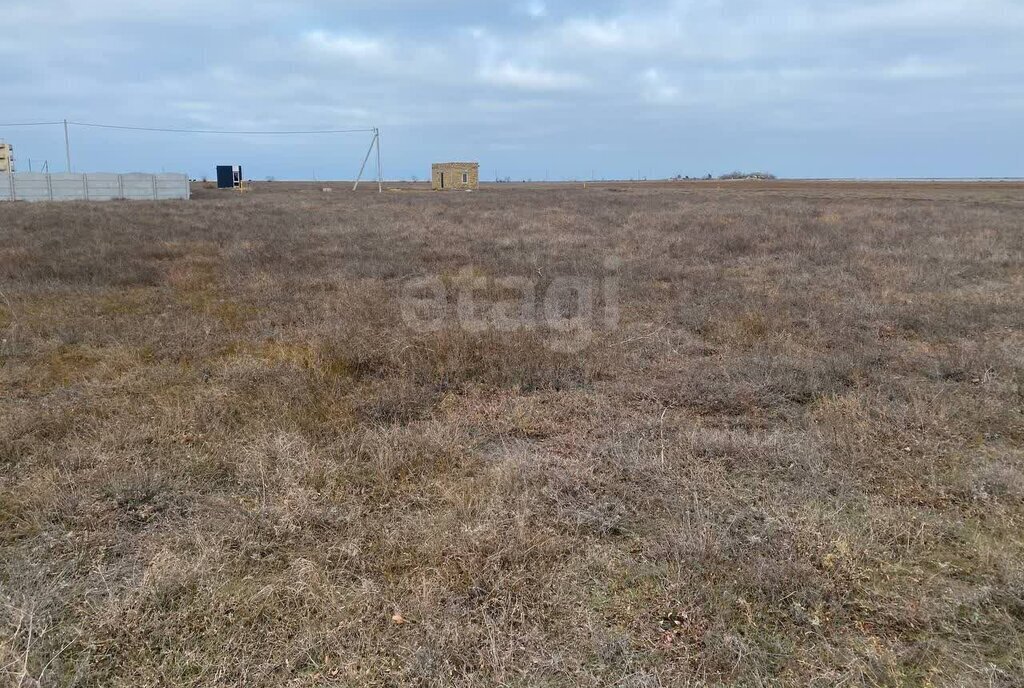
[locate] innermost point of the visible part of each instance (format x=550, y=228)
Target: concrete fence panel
x=104, y=187
x=138, y=187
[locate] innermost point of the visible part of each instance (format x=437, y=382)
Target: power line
x=219, y=131
x=169, y=130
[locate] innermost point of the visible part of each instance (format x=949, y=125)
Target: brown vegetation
x=224, y=459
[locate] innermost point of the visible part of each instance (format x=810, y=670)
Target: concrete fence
x=29, y=186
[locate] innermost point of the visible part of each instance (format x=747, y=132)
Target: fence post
x=120, y=187
x=154, y=187
x=49, y=185
x=85, y=185
x=10, y=179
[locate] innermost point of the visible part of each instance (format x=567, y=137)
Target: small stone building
x=455, y=175
x=6, y=157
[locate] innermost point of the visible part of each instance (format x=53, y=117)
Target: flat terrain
x=780, y=442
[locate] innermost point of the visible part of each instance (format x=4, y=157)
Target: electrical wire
x=219, y=131
x=168, y=130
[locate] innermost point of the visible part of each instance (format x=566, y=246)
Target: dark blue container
x=228, y=176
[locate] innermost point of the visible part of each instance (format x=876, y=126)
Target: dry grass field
x=226, y=458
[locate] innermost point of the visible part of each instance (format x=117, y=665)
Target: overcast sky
x=532, y=89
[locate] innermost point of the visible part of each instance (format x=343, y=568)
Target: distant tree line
x=731, y=175
x=748, y=175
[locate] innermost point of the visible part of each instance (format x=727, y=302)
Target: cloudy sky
x=530, y=88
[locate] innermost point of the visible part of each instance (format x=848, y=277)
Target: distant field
x=973, y=190
x=743, y=432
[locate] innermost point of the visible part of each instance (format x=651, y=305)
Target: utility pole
x=67, y=145
x=380, y=172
